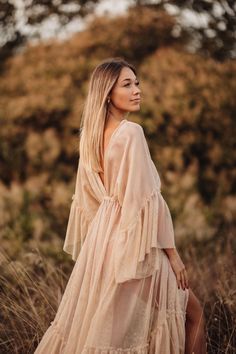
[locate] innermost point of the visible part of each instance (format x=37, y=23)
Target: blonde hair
x=95, y=110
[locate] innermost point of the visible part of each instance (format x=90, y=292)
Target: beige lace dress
x=122, y=295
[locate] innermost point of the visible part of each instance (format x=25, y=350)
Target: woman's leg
x=195, y=326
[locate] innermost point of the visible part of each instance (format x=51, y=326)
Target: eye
x=128, y=84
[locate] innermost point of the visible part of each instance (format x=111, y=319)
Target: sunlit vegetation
x=187, y=113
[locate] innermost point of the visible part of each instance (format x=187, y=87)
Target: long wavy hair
x=95, y=111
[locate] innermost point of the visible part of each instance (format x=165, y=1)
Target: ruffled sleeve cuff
x=77, y=228
x=137, y=247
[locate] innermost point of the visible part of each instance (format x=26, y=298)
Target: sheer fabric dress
x=122, y=295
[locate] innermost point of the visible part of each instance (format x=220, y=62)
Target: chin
x=131, y=109
x=134, y=109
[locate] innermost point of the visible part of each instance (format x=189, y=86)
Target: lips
x=136, y=100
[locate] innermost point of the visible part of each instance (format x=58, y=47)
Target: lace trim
x=169, y=314
x=142, y=349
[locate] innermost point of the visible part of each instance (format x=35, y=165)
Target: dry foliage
x=187, y=114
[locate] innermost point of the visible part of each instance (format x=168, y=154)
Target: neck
x=116, y=115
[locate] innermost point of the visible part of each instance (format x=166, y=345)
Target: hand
x=179, y=270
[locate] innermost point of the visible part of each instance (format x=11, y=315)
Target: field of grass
x=32, y=286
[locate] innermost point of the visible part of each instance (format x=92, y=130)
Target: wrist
x=171, y=252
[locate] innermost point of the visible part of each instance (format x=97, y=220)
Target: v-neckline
x=105, y=154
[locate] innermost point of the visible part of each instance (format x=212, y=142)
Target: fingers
x=183, y=279
x=180, y=272
x=186, y=278
x=178, y=278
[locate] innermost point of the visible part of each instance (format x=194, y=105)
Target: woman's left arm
x=178, y=267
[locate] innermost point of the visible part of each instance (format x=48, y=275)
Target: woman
x=128, y=291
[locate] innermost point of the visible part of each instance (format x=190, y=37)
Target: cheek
x=120, y=97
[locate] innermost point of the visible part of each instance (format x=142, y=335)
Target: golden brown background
x=188, y=115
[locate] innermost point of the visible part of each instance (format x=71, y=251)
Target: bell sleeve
x=82, y=211
x=145, y=224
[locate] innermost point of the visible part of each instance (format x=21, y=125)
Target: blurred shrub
x=187, y=113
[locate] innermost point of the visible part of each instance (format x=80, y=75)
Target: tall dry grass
x=211, y=269
x=32, y=287
x=30, y=292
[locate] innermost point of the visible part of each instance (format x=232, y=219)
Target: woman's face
x=125, y=95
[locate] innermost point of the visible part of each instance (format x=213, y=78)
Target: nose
x=136, y=90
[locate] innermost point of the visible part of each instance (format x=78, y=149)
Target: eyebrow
x=129, y=79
